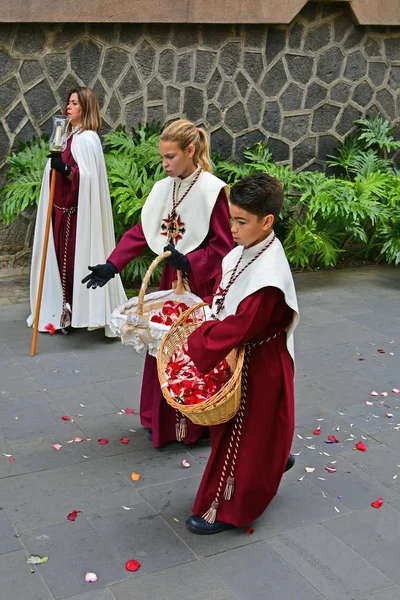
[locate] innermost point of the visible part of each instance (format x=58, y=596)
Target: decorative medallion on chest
x=173, y=227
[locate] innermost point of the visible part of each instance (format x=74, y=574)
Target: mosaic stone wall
x=298, y=87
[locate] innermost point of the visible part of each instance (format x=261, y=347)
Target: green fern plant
x=308, y=246
x=23, y=178
x=376, y=131
x=133, y=167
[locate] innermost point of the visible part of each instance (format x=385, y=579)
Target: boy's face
x=247, y=229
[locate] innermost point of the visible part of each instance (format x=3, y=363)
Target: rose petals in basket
x=187, y=385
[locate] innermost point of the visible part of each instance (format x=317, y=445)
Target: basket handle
x=180, y=288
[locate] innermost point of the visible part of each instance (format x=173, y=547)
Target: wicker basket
x=221, y=407
x=148, y=336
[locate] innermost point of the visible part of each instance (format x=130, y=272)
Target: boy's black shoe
x=290, y=462
x=200, y=526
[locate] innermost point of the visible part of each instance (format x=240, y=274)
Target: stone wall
x=299, y=87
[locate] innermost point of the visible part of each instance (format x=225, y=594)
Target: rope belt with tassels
x=234, y=441
x=66, y=310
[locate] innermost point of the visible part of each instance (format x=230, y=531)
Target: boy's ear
x=268, y=222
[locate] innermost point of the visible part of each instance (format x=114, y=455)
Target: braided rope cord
x=235, y=438
x=221, y=301
x=65, y=310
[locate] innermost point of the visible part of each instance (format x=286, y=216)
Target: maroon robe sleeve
x=205, y=262
x=213, y=340
x=129, y=247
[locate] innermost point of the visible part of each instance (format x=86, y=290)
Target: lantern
x=58, y=140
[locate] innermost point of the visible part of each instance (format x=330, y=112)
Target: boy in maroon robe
x=256, y=306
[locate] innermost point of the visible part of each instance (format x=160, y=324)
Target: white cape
x=94, y=243
x=269, y=269
x=196, y=208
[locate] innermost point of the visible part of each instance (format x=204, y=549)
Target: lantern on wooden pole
x=57, y=143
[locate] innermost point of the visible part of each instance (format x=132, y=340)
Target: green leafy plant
x=133, y=167
x=23, y=178
x=324, y=220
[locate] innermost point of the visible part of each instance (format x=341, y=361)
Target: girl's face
x=74, y=110
x=175, y=161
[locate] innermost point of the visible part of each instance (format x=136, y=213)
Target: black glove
x=177, y=259
x=100, y=275
x=58, y=164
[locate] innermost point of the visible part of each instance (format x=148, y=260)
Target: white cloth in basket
x=138, y=337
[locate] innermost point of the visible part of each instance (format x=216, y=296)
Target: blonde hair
x=185, y=133
x=89, y=104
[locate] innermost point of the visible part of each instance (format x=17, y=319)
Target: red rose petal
x=132, y=565
x=12, y=459
x=330, y=469
x=72, y=515
x=124, y=440
x=362, y=447
x=129, y=411
x=66, y=418
x=103, y=441
x=378, y=503
x=249, y=530
x=316, y=431
x=50, y=328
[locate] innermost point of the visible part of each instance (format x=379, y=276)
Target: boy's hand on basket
x=177, y=260
x=100, y=275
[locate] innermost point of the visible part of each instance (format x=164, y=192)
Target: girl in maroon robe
x=256, y=306
x=188, y=209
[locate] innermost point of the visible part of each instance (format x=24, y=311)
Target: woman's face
x=74, y=110
x=175, y=161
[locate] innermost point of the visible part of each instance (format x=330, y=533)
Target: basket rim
x=217, y=399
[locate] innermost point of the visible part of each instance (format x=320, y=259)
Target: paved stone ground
x=319, y=539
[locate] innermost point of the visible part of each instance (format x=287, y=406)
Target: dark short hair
x=259, y=194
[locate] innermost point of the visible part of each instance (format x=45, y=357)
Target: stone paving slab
x=8, y=540
x=114, y=427
x=94, y=402
x=142, y=534
x=28, y=416
x=162, y=466
x=18, y=582
x=99, y=594
x=318, y=540
x=374, y=535
x=194, y=580
x=392, y=594
x=328, y=564
x=267, y=575
x=72, y=556
x=47, y=497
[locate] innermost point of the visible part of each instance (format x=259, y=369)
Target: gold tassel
x=211, y=514
x=230, y=488
x=181, y=429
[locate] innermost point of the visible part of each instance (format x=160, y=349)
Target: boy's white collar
x=250, y=252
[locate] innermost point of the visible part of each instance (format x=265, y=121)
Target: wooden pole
x=43, y=265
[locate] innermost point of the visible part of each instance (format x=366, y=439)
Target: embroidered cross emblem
x=173, y=228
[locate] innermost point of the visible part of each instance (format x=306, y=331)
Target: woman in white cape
x=82, y=229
